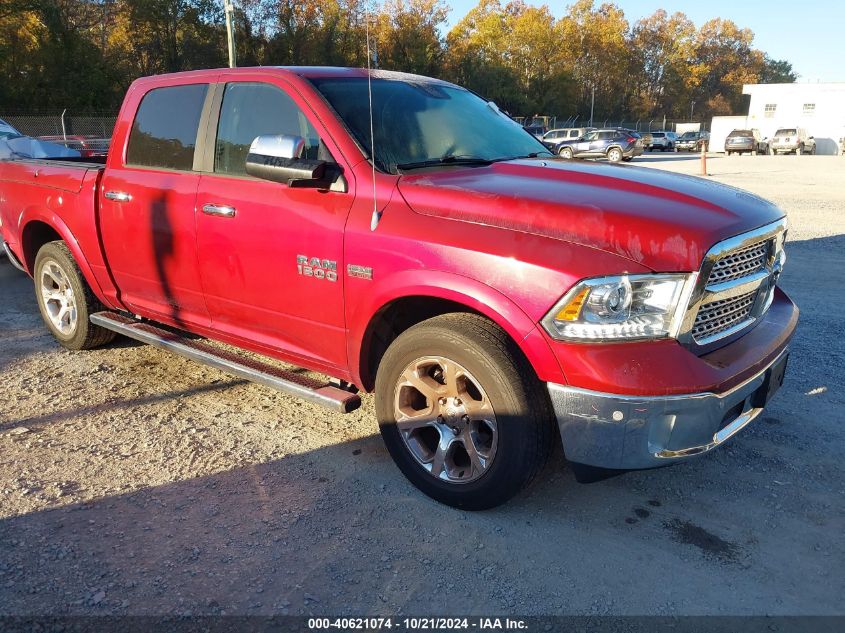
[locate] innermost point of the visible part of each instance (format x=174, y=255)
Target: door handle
x=221, y=210
x=118, y=196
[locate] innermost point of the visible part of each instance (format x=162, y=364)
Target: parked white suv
x=791, y=140
x=664, y=141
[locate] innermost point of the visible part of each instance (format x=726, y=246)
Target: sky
x=808, y=33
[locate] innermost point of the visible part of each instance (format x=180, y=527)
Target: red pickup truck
x=401, y=235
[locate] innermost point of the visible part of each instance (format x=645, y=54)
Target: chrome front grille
x=740, y=263
x=735, y=286
x=720, y=316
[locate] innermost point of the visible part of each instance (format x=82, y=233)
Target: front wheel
x=565, y=152
x=614, y=154
x=461, y=411
x=65, y=299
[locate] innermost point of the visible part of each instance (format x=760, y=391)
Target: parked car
x=792, y=141
x=745, y=141
x=7, y=130
x=537, y=130
x=553, y=137
x=693, y=141
x=664, y=141
x=13, y=144
x=87, y=146
x=492, y=298
x=615, y=145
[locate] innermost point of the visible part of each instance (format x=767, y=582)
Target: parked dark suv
x=615, y=145
x=741, y=141
x=693, y=141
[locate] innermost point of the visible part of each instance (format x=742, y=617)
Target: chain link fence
x=95, y=125
x=88, y=133
x=640, y=125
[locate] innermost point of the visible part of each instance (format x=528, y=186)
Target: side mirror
x=278, y=157
x=812, y=138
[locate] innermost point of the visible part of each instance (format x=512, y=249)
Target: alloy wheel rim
x=445, y=420
x=58, y=297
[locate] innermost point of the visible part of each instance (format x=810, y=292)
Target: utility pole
x=229, y=10
x=691, y=108
x=592, y=104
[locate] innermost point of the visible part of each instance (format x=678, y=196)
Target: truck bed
x=67, y=174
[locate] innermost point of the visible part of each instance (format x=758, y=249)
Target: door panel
x=250, y=270
x=150, y=242
x=147, y=207
x=255, y=284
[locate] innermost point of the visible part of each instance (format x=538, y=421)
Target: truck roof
x=306, y=72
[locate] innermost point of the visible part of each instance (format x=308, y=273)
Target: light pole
x=592, y=104
x=691, y=108
x=229, y=10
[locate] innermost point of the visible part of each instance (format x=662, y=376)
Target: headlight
x=624, y=307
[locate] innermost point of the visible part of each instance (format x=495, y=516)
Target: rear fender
x=51, y=219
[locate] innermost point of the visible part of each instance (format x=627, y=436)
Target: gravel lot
x=134, y=482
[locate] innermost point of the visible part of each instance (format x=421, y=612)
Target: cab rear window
x=164, y=133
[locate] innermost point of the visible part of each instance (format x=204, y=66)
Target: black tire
x=524, y=418
x=628, y=159
x=614, y=154
x=566, y=153
x=84, y=335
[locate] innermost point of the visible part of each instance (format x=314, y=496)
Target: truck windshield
x=426, y=123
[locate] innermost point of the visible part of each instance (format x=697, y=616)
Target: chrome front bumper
x=630, y=432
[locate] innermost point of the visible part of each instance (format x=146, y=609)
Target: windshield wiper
x=446, y=160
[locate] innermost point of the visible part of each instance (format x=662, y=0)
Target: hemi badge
x=361, y=272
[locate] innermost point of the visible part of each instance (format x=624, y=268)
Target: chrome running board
x=12, y=258
x=255, y=371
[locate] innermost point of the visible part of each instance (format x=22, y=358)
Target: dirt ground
x=135, y=482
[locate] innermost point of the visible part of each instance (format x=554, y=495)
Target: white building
x=818, y=108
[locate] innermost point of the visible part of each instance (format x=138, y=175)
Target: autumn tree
x=83, y=54
x=510, y=55
x=662, y=48
x=595, y=47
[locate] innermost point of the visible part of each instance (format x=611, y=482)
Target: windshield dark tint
x=785, y=133
x=741, y=133
x=421, y=121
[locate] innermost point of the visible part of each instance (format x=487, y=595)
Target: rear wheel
x=614, y=154
x=65, y=299
x=461, y=411
x=565, y=152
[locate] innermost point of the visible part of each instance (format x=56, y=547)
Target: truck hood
x=661, y=220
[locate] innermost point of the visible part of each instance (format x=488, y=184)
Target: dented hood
x=664, y=221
